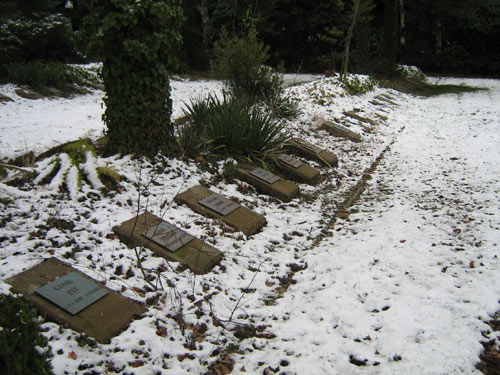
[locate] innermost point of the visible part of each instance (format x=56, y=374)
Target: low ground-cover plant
x=72, y=164
x=23, y=350
x=230, y=126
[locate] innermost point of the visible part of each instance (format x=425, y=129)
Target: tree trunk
x=401, y=23
x=345, y=63
x=205, y=22
x=439, y=37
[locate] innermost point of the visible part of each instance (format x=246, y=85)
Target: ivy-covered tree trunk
x=138, y=41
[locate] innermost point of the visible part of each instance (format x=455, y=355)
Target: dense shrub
x=356, y=85
x=411, y=72
x=38, y=74
x=23, y=350
x=40, y=38
x=230, y=126
x=240, y=62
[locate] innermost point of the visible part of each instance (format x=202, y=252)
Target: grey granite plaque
x=290, y=160
x=168, y=236
x=264, y=175
x=219, y=204
x=72, y=292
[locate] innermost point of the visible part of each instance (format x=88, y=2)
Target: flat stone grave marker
x=74, y=300
x=377, y=103
x=340, y=131
x=298, y=170
x=219, y=204
x=169, y=242
x=311, y=151
x=354, y=115
x=381, y=116
x=242, y=218
x=387, y=99
x=264, y=175
x=5, y=98
x=268, y=183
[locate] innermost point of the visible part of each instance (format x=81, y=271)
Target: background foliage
x=441, y=36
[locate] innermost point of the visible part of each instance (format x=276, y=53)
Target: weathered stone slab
x=310, y=151
x=377, y=103
x=81, y=90
x=280, y=188
x=340, y=131
x=387, y=99
x=298, y=170
x=102, y=320
x=242, y=219
x=5, y=98
x=28, y=94
x=381, y=116
x=197, y=255
x=354, y=115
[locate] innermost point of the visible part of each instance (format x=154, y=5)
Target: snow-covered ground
x=404, y=284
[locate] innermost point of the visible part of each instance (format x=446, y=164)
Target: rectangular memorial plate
x=72, y=292
x=219, y=204
x=339, y=127
x=264, y=175
x=291, y=161
x=168, y=236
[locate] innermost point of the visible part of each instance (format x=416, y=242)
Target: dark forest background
x=439, y=36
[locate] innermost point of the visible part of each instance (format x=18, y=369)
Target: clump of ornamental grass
x=230, y=126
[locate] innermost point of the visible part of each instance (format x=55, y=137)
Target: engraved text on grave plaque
x=72, y=292
x=168, y=236
x=289, y=160
x=219, y=204
x=264, y=175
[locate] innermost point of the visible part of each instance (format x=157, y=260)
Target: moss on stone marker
x=242, y=218
x=281, y=189
x=340, y=131
x=313, y=152
x=197, y=255
x=102, y=320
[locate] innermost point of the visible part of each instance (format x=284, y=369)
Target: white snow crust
x=404, y=283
